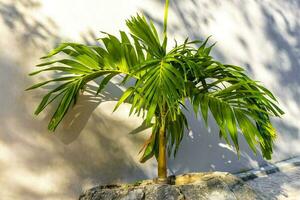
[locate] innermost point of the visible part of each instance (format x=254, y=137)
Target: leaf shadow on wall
x=88, y=149
x=202, y=150
x=19, y=18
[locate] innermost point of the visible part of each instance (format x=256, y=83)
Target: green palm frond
x=83, y=64
x=147, y=34
x=234, y=100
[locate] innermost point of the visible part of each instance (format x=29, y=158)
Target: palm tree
x=164, y=81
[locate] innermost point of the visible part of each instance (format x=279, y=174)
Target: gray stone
x=198, y=186
x=166, y=192
x=137, y=194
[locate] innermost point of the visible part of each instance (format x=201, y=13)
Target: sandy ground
x=280, y=185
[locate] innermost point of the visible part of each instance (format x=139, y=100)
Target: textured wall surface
x=94, y=146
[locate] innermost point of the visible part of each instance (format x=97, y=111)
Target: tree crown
x=164, y=81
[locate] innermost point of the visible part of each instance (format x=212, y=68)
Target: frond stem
x=166, y=18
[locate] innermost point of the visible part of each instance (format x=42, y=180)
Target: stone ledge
x=269, y=169
x=198, y=186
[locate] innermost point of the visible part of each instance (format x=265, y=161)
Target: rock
x=198, y=186
x=167, y=192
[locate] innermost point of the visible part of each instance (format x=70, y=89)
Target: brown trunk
x=162, y=164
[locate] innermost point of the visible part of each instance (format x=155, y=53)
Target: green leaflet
x=230, y=119
x=56, y=50
x=125, y=95
x=62, y=69
x=64, y=105
x=248, y=129
x=175, y=133
x=45, y=101
x=204, y=108
x=105, y=81
x=68, y=62
x=52, y=80
x=150, y=145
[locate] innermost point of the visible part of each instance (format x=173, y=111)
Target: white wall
x=92, y=145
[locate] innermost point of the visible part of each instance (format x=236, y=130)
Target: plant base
x=162, y=181
x=200, y=186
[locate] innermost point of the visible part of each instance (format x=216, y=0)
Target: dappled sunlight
x=98, y=15
x=93, y=145
x=30, y=27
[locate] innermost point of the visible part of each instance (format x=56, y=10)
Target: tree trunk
x=162, y=160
